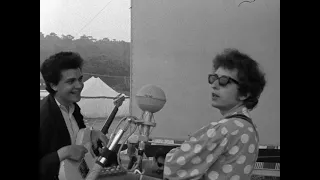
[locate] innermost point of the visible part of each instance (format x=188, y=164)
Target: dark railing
x=265, y=155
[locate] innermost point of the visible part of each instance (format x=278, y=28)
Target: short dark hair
x=251, y=78
x=51, y=68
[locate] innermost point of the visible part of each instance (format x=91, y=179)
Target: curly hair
x=251, y=78
x=52, y=67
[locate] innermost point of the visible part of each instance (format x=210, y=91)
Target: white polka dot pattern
x=244, y=138
x=211, y=146
x=238, y=123
x=241, y=159
x=235, y=132
x=211, y=132
x=235, y=177
x=198, y=157
x=209, y=158
x=194, y=172
x=185, y=147
x=197, y=148
x=166, y=170
x=182, y=173
x=196, y=160
x=223, y=121
x=224, y=131
x=227, y=168
x=247, y=169
x=214, y=123
x=193, y=139
x=234, y=150
x=224, y=142
x=213, y=175
x=172, y=150
x=251, y=148
x=169, y=157
x=245, y=112
x=181, y=160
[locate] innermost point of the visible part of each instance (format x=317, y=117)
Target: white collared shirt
x=71, y=123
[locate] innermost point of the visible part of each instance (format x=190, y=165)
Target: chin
x=215, y=105
x=76, y=99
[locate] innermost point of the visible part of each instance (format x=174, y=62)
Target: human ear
x=54, y=87
x=242, y=97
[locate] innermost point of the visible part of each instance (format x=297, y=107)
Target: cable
x=92, y=74
x=247, y=2
x=94, y=17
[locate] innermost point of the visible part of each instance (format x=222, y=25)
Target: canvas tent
x=97, y=100
x=43, y=93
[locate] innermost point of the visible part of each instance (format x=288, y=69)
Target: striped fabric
x=258, y=165
x=265, y=165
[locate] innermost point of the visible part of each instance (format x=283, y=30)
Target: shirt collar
x=239, y=110
x=71, y=107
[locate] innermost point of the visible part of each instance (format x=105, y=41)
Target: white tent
x=43, y=94
x=97, y=100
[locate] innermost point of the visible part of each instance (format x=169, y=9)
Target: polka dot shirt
x=222, y=150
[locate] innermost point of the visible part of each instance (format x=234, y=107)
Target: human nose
x=215, y=84
x=79, y=84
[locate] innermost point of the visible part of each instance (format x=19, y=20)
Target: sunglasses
x=223, y=80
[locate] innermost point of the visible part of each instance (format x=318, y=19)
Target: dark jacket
x=53, y=135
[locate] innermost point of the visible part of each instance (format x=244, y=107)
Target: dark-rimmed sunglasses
x=223, y=80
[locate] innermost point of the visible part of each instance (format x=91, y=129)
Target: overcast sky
x=74, y=17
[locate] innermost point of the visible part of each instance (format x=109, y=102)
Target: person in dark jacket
x=60, y=116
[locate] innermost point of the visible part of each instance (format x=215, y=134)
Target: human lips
x=214, y=95
x=75, y=92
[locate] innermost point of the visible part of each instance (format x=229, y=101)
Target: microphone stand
x=149, y=105
x=145, y=129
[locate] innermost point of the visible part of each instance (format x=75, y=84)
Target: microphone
x=107, y=153
x=117, y=102
x=150, y=99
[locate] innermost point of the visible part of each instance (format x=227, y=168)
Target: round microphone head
x=150, y=98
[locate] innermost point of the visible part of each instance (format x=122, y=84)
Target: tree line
x=109, y=58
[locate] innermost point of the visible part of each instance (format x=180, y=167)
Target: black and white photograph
x=159, y=90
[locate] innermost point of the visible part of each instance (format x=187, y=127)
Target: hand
x=72, y=152
x=76, y=152
x=96, y=136
x=111, y=156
